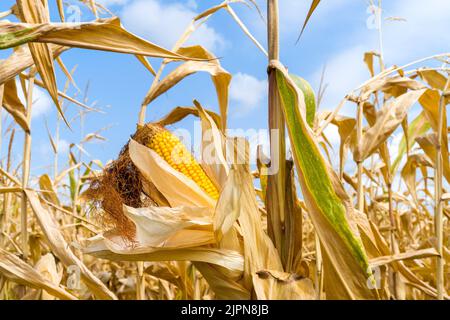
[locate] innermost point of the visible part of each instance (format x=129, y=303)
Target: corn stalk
x=359, y=163
x=26, y=171
x=275, y=200
x=438, y=173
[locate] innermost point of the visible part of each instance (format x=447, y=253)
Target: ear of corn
x=173, y=151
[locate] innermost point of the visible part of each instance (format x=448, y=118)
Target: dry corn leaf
x=20, y=60
x=46, y=266
x=213, y=148
x=220, y=77
x=34, y=12
x=146, y=64
x=390, y=85
x=46, y=185
x=377, y=247
x=224, y=288
x=259, y=251
x=245, y=29
x=409, y=172
x=18, y=271
x=388, y=119
x=428, y=144
x=13, y=105
x=227, y=208
x=416, y=254
x=313, y=7
x=434, y=78
x=346, y=128
x=113, y=247
x=103, y=34
x=173, y=272
x=177, y=227
x=398, y=266
x=368, y=60
x=285, y=286
x=179, y=113
x=430, y=103
x=62, y=250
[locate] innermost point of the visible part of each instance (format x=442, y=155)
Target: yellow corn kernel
x=172, y=150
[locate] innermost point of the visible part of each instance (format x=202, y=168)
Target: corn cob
x=173, y=151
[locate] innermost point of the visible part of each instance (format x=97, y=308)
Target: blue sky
x=337, y=36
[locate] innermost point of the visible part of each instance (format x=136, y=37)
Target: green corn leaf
x=418, y=127
x=346, y=267
x=310, y=98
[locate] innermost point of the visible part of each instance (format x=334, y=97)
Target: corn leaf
x=310, y=99
x=13, y=105
x=62, y=250
x=18, y=271
x=345, y=259
x=388, y=119
x=313, y=7
x=34, y=11
x=418, y=127
x=106, y=35
x=112, y=247
x=220, y=77
x=177, y=227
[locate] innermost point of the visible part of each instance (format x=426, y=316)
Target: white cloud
x=247, y=91
x=332, y=134
x=403, y=41
x=46, y=151
x=112, y=2
x=163, y=23
x=423, y=33
x=293, y=13
x=42, y=103
x=344, y=72
x=63, y=146
x=192, y=4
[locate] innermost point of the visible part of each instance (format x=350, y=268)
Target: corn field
x=159, y=223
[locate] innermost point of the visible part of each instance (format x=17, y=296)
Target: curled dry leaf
x=179, y=113
x=213, y=148
x=18, y=271
x=35, y=12
x=20, y=60
x=388, y=119
x=113, y=247
x=103, y=34
x=220, y=77
x=62, y=250
x=49, y=193
x=13, y=105
x=177, y=227
x=418, y=254
x=46, y=266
